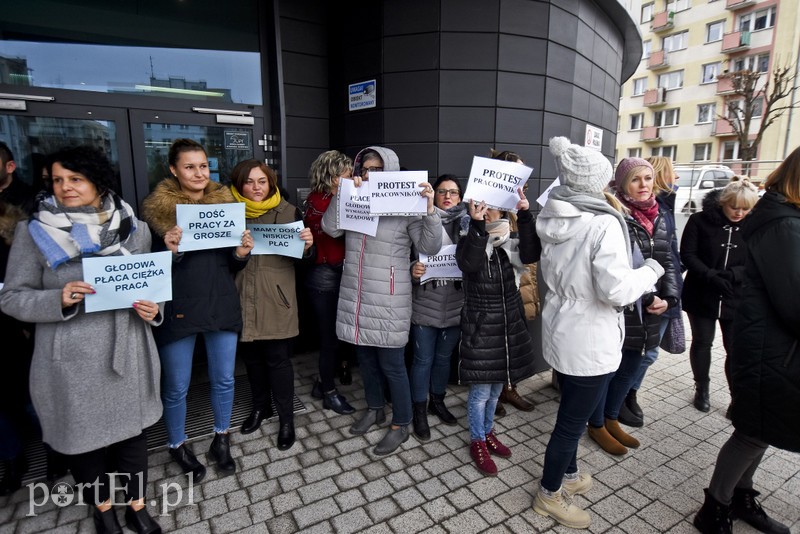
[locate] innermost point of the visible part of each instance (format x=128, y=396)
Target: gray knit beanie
x=581, y=169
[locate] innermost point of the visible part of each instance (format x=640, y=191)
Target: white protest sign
x=118, y=281
x=397, y=193
x=279, y=239
x=495, y=182
x=441, y=266
x=352, y=212
x=210, y=225
x=542, y=200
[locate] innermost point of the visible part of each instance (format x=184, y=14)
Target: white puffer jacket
x=589, y=280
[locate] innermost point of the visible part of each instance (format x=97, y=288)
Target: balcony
x=734, y=5
x=725, y=85
x=722, y=128
x=650, y=134
x=655, y=97
x=662, y=21
x=735, y=42
x=657, y=60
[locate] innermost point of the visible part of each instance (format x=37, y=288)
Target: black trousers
x=269, y=369
x=127, y=459
x=703, y=330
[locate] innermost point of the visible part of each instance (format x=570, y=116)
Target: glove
x=723, y=285
x=726, y=274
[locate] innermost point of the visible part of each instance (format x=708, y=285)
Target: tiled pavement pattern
x=331, y=482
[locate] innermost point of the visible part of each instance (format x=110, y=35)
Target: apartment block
x=675, y=102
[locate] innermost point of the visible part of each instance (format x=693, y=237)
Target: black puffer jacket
x=706, y=238
x=765, y=360
x=641, y=336
x=495, y=344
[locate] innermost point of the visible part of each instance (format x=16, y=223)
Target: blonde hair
x=622, y=186
x=739, y=192
x=663, y=171
x=328, y=165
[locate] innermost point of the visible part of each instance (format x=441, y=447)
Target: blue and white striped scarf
x=63, y=233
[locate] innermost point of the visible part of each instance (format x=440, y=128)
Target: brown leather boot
x=606, y=441
x=612, y=425
x=512, y=397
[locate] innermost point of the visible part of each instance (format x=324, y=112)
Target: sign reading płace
x=118, y=281
x=210, y=225
x=397, y=193
x=362, y=95
x=496, y=182
x=352, y=212
x=441, y=266
x=278, y=239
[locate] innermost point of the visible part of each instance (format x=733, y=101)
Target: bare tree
x=751, y=100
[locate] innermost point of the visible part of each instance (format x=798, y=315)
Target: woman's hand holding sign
x=308, y=237
x=427, y=192
x=478, y=211
x=417, y=270
x=246, y=246
x=173, y=238
x=523, y=203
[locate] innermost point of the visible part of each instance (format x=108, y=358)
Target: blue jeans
x=617, y=390
x=433, y=348
x=176, y=366
x=650, y=356
x=379, y=362
x=481, y=402
x=579, y=397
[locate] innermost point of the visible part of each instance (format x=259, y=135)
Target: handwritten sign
x=542, y=200
x=441, y=266
x=496, y=182
x=118, y=281
x=278, y=239
x=353, y=208
x=210, y=225
x=397, y=193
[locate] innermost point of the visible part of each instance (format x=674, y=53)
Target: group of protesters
x=607, y=252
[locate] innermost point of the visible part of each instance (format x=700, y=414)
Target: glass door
x=152, y=133
x=42, y=128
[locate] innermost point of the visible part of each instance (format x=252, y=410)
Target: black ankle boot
x=106, y=522
x=421, y=428
x=633, y=404
x=334, y=401
x=714, y=517
x=253, y=421
x=140, y=521
x=286, y=436
x=188, y=462
x=437, y=407
x=12, y=476
x=744, y=506
x=701, y=400
x=220, y=450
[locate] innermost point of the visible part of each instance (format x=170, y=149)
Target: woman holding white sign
x=269, y=302
x=204, y=301
x=436, y=317
x=375, y=298
x=94, y=379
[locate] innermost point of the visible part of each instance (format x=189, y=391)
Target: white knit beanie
x=581, y=169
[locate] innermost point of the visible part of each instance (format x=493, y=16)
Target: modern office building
x=438, y=80
x=674, y=103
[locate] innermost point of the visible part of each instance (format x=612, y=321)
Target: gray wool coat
x=94, y=379
x=375, y=293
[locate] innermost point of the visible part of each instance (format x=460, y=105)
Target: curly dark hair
x=87, y=160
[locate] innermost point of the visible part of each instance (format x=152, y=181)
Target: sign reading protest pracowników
x=210, y=225
x=352, y=212
x=441, y=266
x=495, y=182
x=397, y=193
x=279, y=239
x=118, y=281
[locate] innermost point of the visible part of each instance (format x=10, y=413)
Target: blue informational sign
x=210, y=225
x=362, y=95
x=279, y=239
x=119, y=281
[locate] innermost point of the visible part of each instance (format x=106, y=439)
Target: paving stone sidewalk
x=330, y=481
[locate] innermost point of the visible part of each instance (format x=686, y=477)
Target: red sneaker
x=483, y=462
x=495, y=447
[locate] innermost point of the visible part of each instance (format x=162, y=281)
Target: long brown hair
x=786, y=178
x=241, y=173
